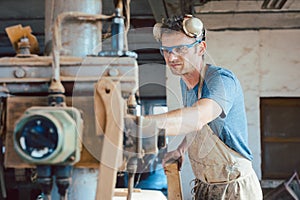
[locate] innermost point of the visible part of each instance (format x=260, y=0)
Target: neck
x=191, y=79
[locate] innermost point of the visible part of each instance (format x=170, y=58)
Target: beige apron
x=221, y=173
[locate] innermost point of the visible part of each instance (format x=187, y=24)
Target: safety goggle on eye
x=179, y=49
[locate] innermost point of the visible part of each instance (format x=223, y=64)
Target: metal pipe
x=2, y=178
x=63, y=176
x=131, y=168
x=56, y=86
x=130, y=185
x=78, y=39
x=45, y=181
x=117, y=31
x=139, y=137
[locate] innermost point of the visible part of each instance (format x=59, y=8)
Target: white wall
x=267, y=63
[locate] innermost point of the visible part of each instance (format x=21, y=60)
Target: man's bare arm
x=186, y=120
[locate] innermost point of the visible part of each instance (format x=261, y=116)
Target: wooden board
x=121, y=194
x=174, y=181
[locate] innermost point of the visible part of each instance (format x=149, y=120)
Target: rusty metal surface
x=2, y=115
x=32, y=75
x=78, y=38
x=16, y=32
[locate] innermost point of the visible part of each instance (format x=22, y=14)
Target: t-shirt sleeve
x=220, y=86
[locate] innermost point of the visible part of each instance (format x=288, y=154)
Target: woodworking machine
x=67, y=108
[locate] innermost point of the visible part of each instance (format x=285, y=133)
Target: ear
x=157, y=31
x=202, y=48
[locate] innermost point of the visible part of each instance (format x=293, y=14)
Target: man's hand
x=173, y=156
x=176, y=155
x=147, y=126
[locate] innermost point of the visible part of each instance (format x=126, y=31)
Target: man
x=213, y=118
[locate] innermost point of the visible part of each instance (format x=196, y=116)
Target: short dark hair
x=173, y=23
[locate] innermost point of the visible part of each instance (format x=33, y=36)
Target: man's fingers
x=146, y=126
x=180, y=162
x=172, y=157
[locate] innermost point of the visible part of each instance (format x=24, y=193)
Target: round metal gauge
x=38, y=137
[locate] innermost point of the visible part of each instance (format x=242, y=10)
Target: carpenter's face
x=181, y=53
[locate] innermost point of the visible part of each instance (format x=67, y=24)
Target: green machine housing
x=49, y=135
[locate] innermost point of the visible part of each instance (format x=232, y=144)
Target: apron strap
x=201, y=80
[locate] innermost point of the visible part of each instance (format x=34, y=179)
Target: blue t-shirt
x=222, y=86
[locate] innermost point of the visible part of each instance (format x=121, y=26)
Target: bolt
x=72, y=158
x=20, y=73
x=113, y=72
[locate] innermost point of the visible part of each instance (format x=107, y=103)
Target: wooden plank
x=37, y=24
x=92, y=144
x=15, y=109
x=174, y=181
x=121, y=194
x=281, y=139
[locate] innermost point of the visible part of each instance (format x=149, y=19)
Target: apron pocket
x=215, y=173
